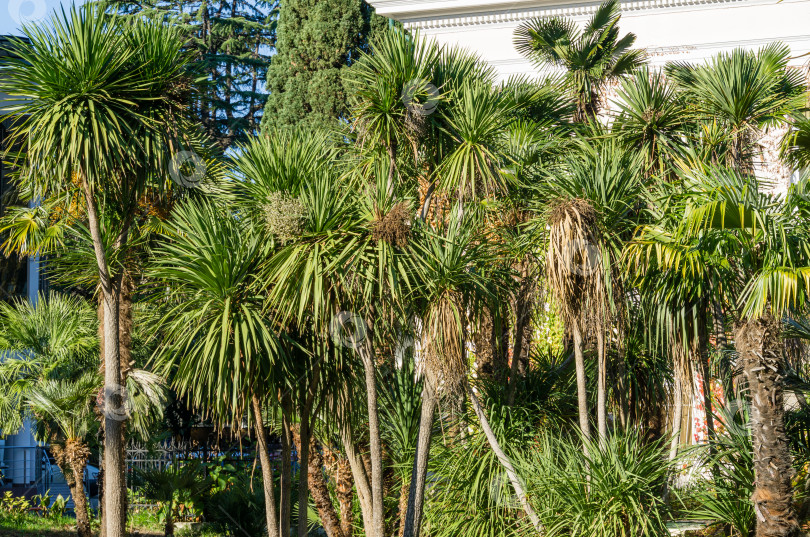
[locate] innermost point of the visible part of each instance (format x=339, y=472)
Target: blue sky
x=13, y=12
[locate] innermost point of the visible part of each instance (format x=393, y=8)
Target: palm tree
x=652, y=120
x=166, y=485
x=595, y=206
x=743, y=92
x=760, y=247
x=102, y=147
x=591, y=58
x=44, y=351
x=219, y=345
x=452, y=267
x=65, y=410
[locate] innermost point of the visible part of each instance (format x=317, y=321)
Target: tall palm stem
x=285, y=507
x=503, y=458
x=375, y=442
x=758, y=342
x=582, y=382
x=601, y=386
x=416, y=494
x=267, y=469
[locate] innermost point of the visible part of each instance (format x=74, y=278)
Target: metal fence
x=142, y=458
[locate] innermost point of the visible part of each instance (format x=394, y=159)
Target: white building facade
x=669, y=30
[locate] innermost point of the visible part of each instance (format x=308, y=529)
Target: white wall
x=668, y=29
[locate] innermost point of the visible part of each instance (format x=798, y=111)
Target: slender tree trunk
x=582, y=384
x=523, y=316
x=114, y=416
x=375, y=442
x=601, y=386
x=677, y=419
x=114, y=395
x=285, y=508
x=303, y=474
x=758, y=343
x=505, y=462
x=416, y=493
x=359, y=473
x=267, y=470
x=705, y=371
x=320, y=492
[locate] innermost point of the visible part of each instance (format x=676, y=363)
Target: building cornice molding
x=433, y=14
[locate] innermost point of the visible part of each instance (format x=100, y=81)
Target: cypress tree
x=232, y=43
x=316, y=39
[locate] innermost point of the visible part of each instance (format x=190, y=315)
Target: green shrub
x=726, y=497
x=238, y=509
x=614, y=491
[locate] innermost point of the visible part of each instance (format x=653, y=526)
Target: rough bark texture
x=358, y=473
x=302, y=441
x=344, y=483
x=114, y=479
x=320, y=491
x=490, y=356
x=267, y=470
x=416, y=493
x=758, y=344
x=72, y=460
x=115, y=517
x=402, y=508
x=523, y=328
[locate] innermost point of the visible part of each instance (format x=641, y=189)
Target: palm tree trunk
x=303, y=474
x=343, y=489
x=522, y=333
x=416, y=494
x=758, y=344
x=601, y=386
x=359, y=473
x=285, y=508
x=114, y=405
x=267, y=470
x=80, y=501
x=505, y=462
x=402, y=508
x=114, y=414
x=375, y=442
x=320, y=492
x=168, y=527
x=582, y=384
x=677, y=418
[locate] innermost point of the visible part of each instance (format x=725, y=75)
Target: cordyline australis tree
x=101, y=116
x=219, y=344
